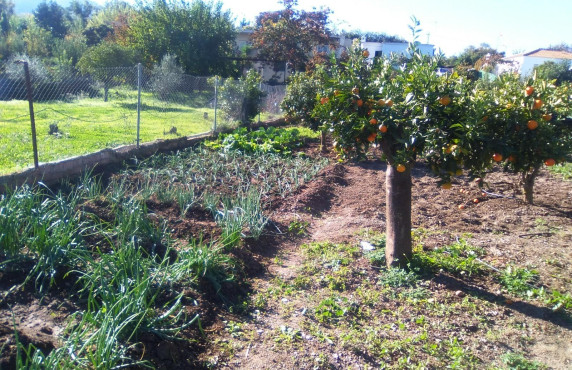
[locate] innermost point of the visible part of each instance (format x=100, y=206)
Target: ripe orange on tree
x=547, y=117
x=389, y=103
x=324, y=100
x=537, y=104
x=529, y=90
x=550, y=162
x=371, y=137
x=381, y=102
x=445, y=100
x=383, y=129
x=400, y=168
x=365, y=54
x=497, y=157
x=532, y=124
x=359, y=102
x=373, y=121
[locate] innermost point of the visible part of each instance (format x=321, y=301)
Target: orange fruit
x=365, y=53
x=371, y=137
x=532, y=124
x=461, y=206
x=355, y=90
x=446, y=186
x=389, y=102
x=400, y=168
x=537, y=104
x=476, y=200
x=550, y=162
x=324, y=100
x=359, y=102
x=383, y=129
x=497, y=157
x=381, y=102
x=547, y=117
x=445, y=100
x=511, y=158
x=373, y=121
x=529, y=90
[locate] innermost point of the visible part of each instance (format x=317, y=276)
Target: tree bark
x=398, y=249
x=323, y=141
x=528, y=185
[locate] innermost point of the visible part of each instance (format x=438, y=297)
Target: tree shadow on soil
x=537, y=312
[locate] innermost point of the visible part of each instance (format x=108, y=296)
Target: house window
x=378, y=53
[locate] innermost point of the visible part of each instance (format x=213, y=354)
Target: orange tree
x=528, y=125
x=408, y=111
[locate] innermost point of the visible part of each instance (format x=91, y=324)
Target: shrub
x=240, y=100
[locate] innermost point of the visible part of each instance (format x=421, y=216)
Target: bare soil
x=340, y=205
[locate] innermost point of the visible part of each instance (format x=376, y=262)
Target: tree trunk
x=528, y=185
x=105, y=92
x=323, y=141
x=398, y=249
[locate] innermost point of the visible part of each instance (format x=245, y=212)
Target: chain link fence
x=76, y=114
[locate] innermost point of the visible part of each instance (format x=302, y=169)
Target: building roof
x=544, y=53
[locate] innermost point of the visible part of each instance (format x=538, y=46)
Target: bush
x=240, y=100
x=167, y=77
x=300, y=99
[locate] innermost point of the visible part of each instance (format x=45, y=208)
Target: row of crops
x=105, y=243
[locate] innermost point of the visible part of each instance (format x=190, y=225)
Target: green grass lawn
x=86, y=125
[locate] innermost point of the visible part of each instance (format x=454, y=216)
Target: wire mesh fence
x=77, y=114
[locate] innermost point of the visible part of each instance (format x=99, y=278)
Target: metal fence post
x=215, y=101
x=31, y=105
x=138, y=101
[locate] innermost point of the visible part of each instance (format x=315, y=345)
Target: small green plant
x=457, y=258
x=298, y=227
x=516, y=361
x=288, y=335
x=397, y=277
x=519, y=281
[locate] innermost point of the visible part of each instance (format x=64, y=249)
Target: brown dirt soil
x=344, y=200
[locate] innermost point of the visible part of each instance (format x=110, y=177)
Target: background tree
x=52, y=17
x=471, y=55
x=82, y=10
x=200, y=34
x=167, y=76
x=98, y=60
x=6, y=12
x=550, y=70
x=290, y=35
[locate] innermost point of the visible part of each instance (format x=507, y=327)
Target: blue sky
x=508, y=25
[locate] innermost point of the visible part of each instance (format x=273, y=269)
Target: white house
x=377, y=49
x=525, y=63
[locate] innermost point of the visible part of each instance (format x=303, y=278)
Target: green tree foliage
x=98, y=59
x=167, y=76
x=290, y=35
x=200, y=34
x=82, y=10
x=560, y=71
x=38, y=40
x=6, y=12
x=300, y=99
x=240, y=100
x=52, y=17
x=374, y=36
x=472, y=55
